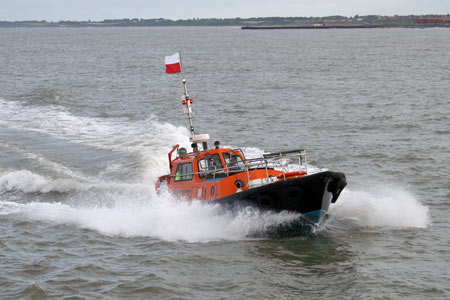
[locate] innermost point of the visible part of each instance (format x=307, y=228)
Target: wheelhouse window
x=233, y=161
x=209, y=164
x=184, y=172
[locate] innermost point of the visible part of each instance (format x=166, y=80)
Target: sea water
x=87, y=117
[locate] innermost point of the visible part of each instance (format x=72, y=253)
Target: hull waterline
x=310, y=196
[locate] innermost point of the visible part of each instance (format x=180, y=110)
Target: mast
x=187, y=107
x=186, y=101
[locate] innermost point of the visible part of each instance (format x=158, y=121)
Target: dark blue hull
x=311, y=196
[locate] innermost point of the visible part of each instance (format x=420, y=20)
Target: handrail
x=281, y=153
x=170, y=156
x=276, y=160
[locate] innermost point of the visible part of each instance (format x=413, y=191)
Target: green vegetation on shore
x=390, y=21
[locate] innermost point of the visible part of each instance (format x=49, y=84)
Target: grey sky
x=56, y=10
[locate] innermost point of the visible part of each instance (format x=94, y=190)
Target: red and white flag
x=173, y=63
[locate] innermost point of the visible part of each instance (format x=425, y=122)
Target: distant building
x=319, y=24
x=433, y=21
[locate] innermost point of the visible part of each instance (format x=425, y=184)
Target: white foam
x=382, y=205
x=158, y=217
x=47, y=163
x=252, y=152
x=149, y=139
x=111, y=133
x=28, y=182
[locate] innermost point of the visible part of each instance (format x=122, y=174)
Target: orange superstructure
x=217, y=173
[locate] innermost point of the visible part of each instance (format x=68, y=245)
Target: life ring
x=291, y=174
x=239, y=184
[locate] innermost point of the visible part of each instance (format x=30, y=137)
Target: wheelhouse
x=219, y=172
x=207, y=164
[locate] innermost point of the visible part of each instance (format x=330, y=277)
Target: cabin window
x=184, y=172
x=209, y=164
x=233, y=161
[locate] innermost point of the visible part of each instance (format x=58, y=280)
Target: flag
x=173, y=63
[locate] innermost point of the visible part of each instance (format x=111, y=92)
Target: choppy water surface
x=87, y=117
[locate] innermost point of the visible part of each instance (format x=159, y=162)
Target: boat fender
x=335, y=187
x=292, y=193
x=292, y=198
x=332, y=186
x=265, y=201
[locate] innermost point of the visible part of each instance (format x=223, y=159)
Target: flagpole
x=186, y=97
x=183, y=79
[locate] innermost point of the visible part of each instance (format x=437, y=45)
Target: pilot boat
x=277, y=181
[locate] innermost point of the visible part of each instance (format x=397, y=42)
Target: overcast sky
x=56, y=10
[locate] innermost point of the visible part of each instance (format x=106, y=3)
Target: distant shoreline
x=369, y=21
x=342, y=27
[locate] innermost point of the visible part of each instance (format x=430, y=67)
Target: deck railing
x=282, y=160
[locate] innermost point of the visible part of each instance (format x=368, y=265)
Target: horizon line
x=224, y=18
